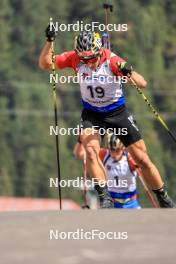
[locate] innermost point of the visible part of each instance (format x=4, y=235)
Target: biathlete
x=104, y=107
x=120, y=170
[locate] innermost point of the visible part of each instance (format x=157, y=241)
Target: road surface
x=34, y=237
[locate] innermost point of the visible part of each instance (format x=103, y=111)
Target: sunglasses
x=115, y=150
x=89, y=60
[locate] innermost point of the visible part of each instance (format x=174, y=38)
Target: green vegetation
x=27, y=158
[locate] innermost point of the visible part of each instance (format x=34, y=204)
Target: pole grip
x=108, y=6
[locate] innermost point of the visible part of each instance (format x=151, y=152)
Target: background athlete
x=104, y=106
x=120, y=170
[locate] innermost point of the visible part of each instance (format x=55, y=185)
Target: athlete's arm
x=67, y=59
x=119, y=68
x=45, y=58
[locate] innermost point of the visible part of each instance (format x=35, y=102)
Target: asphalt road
x=33, y=237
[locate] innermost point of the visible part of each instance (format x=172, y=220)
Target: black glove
x=125, y=69
x=50, y=35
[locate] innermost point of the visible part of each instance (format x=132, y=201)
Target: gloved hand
x=50, y=35
x=124, y=68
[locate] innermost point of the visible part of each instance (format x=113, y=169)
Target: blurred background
x=27, y=151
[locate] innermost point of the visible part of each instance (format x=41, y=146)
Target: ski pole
x=107, y=8
x=154, y=111
x=146, y=189
x=56, y=121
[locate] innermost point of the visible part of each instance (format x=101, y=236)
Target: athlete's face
x=92, y=63
x=116, y=154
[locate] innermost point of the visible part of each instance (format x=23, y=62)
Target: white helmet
x=114, y=142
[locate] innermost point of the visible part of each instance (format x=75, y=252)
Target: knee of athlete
x=91, y=153
x=143, y=161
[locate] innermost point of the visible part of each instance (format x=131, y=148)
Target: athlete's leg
x=138, y=152
x=91, y=143
x=151, y=174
